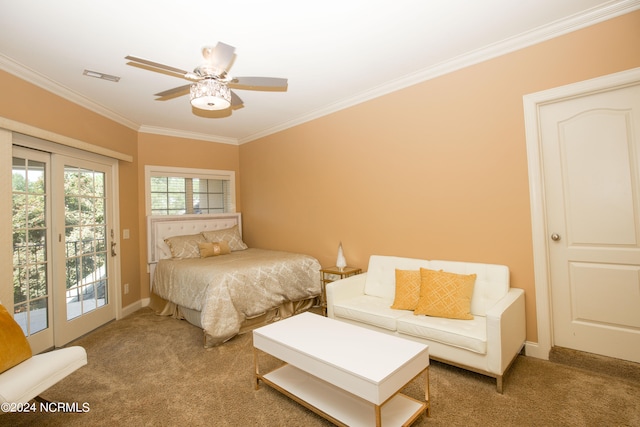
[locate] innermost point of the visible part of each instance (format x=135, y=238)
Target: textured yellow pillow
x=14, y=347
x=407, y=289
x=208, y=249
x=444, y=294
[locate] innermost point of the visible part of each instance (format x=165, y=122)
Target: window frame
x=165, y=171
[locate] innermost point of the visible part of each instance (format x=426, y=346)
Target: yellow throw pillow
x=444, y=294
x=208, y=249
x=407, y=289
x=14, y=347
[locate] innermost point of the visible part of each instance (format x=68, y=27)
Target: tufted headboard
x=159, y=227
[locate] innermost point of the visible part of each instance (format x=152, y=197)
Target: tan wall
x=437, y=170
x=129, y=216
x=159, y=150
x=26, y=103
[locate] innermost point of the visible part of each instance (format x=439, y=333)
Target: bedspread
x=230, y=288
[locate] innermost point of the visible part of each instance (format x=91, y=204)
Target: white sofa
x=28, y=379
x=488, y=344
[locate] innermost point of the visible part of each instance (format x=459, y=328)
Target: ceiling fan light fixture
x=210, y=94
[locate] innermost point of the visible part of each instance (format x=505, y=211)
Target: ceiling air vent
x=102, y=76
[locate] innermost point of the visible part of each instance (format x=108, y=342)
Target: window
x=179, y=191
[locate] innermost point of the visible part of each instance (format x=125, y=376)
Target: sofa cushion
x=407, y=290
x=368, y=309
x=467, y=334
x=381, y=273
x=444, y=294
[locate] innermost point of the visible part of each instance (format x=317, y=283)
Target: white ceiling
x=335, y=53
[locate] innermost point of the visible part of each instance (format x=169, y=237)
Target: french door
x=64, y=246
x=82, y=247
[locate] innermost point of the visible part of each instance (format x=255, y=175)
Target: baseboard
x=533, y=349
x=132, y=308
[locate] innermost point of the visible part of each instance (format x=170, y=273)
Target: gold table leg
x=378, y=416
x=256, y=369
x=426, y=391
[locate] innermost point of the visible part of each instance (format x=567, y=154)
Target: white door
x=590, y=159
x=83, y=247
x=63, y=208
x=32, y=260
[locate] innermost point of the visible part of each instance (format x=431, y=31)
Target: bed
x=203, y=272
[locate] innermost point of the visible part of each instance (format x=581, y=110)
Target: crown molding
x=521, y=41
x=42, y=81
x=188, y=135
x=25, y=73
x=555, y=29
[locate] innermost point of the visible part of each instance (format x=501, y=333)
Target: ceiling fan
x=212, y=85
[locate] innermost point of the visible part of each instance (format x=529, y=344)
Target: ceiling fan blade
x=259, y=83
x=220, y=56
x=155, y=65
x=235, y=99
x=173, y=93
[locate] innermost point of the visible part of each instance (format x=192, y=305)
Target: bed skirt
x=163, y=307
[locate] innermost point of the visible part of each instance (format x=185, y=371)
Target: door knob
x=555, y=237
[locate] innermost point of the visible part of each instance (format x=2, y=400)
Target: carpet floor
x=147, y=370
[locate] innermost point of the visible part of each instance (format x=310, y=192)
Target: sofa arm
x=343, y=289
x=506, y=328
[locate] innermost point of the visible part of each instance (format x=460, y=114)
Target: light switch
x=125, y=233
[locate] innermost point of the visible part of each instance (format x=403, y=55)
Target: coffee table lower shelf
x=338, y=405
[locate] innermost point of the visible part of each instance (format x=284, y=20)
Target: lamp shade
x=210, y=94
x=341, y=262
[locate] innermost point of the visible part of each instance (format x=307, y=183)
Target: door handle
x=555, y=237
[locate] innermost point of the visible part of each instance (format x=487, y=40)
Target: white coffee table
x=348, y=374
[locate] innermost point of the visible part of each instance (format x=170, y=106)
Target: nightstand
x=330, y=274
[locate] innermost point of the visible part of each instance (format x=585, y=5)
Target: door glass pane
x=85, y=241
x=30, y=258
x=38, y=315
